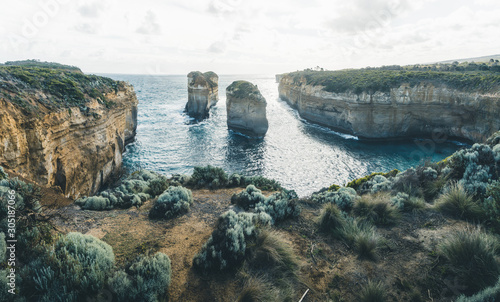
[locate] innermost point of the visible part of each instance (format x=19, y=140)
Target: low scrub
x=173, y=202
x=407, y=203
x=489, y=294
x=226, y=248
x=133, y=191
x=343, y=197
x=77, y=266
x=146, y=279
x=208, y=177
x=376, y=209
x=455, y=201
x=473, y=256
x=248, y=198
x=373, y=292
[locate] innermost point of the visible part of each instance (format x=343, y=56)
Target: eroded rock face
x=76, y=148
x=203, y=93
x=246, y=109
x=420, y=111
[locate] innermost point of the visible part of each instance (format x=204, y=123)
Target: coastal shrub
x=279, y=206
x=405, y=203
x=3, y=247
x=472, y=255
x=75, y=267
x=491, y=204
x=331, y=220
x=3, y=175
x=429, y=173
x=489, y=294
x=455, y=201
x=373, y=292
x=263, y=183
x=379, y=184
x=344, y=197
x=248, y=198
x=409, y=181
x=173, y=202
x=136, y=189
x=226, y=247
x=376, y=209
x=146, y=279
x=358, y=183
x=179, y=180
x=209, y=177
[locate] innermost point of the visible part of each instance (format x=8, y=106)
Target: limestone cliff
x=417, y=110
x=203, y=93
x=246, y=109
x=63, y=128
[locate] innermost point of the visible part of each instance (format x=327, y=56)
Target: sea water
x=300, y=155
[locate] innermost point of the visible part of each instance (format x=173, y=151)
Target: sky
x=245, y=37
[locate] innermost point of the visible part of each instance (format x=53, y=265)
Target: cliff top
x=469, y=77
x=36, y=63
x=28, y=86
x=209, y=78
x=244, y=89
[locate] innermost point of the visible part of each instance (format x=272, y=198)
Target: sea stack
x=246, y=109
x=203, y=93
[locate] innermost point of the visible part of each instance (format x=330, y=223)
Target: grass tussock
x=473, y=256
x=256, y=289
x=376, y=209
x=373, y=292
x=455, y=201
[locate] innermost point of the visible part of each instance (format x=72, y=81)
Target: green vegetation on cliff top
x=464, y=77
x=244, y=89
x=63, y=86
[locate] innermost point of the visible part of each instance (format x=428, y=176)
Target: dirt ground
x=406, y=263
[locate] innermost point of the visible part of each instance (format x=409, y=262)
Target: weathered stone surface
x=73, y=148
x=246, y=109
x=203, y=93
x=418, y=111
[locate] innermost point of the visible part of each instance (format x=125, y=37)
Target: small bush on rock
x=173, y=202
x=147, y=279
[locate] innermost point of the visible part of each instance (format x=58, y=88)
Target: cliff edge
x=391, y=104
x=59, y=127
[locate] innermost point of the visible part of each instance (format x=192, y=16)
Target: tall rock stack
x=246, y=109
x=203, y=93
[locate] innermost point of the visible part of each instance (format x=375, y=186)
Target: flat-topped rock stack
x=203, y=93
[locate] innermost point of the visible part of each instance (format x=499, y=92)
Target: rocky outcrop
x=407, y=111
x=246, y=109
x=74, y=145
x=203, y=93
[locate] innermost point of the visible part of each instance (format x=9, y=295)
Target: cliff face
x=246, y=109
x=406, y=111
x=203, y=93
x=76, y=147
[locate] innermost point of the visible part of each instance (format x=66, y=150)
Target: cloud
x=86, y=28
x=149, y=25
x=91, y=10
x=217, y=47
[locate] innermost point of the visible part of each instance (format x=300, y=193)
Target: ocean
x=300, y=155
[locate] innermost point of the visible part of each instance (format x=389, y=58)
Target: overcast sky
x=245, y=37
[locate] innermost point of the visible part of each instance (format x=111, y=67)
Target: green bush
x=489, y=294
x=158, y=185
x=3, y=248
x=173, y=202
x=457, y=202
x=76, y=267
x=376, y=209
x=226, y=247
x=208, y=177
x=147, y=279
x=331, y=220
x=404, y=202
x=279, y=206
x=3, y=175
x=373, y=292
x=472, y=255
x=261, y=183
x=344, y=197
x=358, y=183
x=491, y=204
x=248, y=198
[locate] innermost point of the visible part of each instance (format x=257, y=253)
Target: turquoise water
x=302, y=156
